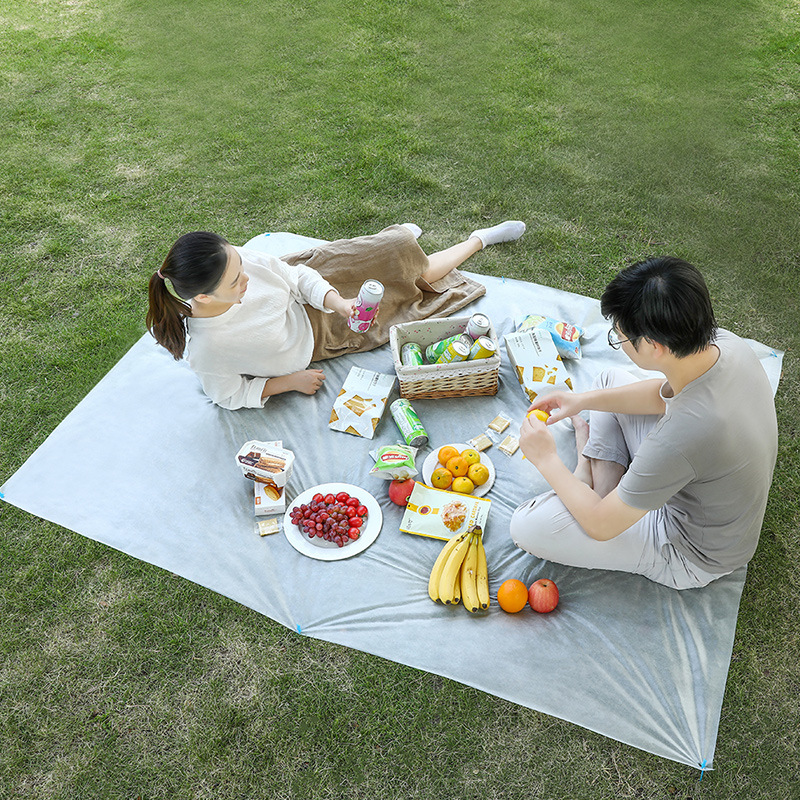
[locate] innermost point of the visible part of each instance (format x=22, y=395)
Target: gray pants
x=545, y=528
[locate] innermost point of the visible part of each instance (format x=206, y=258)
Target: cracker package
x=566, y=336
x=439, y=514
x=362, y=398
x=536, y=361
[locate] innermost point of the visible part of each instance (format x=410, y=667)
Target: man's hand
x=536, y=442
x=559, y=405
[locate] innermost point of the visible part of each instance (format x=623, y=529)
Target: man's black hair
x=665, y=300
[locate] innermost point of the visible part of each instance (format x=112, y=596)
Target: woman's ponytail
x=194, y=265
x=166, y=316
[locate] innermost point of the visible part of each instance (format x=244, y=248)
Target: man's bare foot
x=583, y=471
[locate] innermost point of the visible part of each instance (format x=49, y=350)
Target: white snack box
x=268, y=498
x=536, y=362
x=265, y=462
x=359, y=407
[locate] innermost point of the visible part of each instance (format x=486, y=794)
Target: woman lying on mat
x=672, y=476
x=249, y=324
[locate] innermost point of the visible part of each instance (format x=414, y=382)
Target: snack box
x=359, y=406
x=536, y=362
x=268, y=499
x=266, y=463
x=440, y=514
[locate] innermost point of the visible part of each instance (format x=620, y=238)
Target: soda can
x=455, y=351
x=433, y=351
x=477, y=326
x=409, y=423
x=367, y=302
x=484, y=347
x=411, y=355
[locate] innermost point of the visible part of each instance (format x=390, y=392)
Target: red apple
x=543, y=595
x=400, y=490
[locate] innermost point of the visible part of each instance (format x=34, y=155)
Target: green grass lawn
x=616, y=130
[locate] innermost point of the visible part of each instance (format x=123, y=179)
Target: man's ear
x=659, y=350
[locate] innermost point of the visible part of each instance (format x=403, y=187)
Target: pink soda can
x=367, y=302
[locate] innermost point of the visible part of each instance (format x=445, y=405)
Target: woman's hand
x=558, y=404
x=307, y=381
x=344, y=306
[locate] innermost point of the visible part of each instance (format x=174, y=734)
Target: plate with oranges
x=459, y=468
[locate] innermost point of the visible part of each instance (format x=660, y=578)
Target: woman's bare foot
x=583, y=471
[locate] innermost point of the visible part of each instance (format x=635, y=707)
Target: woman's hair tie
x=158, y=272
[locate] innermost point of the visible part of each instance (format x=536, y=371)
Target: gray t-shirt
x=707, y=465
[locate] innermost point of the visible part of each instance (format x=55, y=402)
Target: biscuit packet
x=440, y=514
x=536, y=362
x=359, y=406
x=565, y=335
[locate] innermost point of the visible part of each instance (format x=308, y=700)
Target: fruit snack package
x=440, y=514
x=565, y=335
x=361, y=401
x=536, y=361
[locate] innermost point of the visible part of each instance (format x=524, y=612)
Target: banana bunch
x=460, y=572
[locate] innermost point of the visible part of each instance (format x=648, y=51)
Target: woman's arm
x=335, y=302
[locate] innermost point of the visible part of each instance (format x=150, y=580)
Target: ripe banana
x=438, y=567
x=449, y=584
x=482, y=580
x=469, y=570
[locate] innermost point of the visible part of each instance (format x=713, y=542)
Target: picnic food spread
x=447, y=500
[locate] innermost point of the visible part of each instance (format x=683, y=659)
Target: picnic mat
x=145, y=464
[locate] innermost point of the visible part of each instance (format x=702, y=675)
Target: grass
x=617, y=130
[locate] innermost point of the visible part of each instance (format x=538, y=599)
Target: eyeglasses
x=614, y=341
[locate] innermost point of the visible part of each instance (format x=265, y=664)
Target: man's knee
x=528, y=522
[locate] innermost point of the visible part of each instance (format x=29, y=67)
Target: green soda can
x=409, y=423
x=434, y=351
x=411, y=355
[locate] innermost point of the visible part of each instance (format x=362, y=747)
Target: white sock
x=506, y=231
x=415, y=229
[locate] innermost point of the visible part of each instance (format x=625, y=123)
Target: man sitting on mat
x=673, y=475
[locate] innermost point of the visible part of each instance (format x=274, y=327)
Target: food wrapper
x=394, y=462
x=565, y=335
x=361, y=401
x=265, y=462
x=536, y=361
x=439, y=514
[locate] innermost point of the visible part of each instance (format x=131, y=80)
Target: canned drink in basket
x=477, y=326
x=484, y=347
x=411, y=355
x=367, y=302
x=409, y=423
x=435, y=350
x=455, y=351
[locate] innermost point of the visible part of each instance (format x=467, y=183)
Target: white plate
x=328, y=551
x=432, y=461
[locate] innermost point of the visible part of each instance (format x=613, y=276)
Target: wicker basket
x=435, y=381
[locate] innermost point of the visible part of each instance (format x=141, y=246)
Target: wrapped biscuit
x=361, y=401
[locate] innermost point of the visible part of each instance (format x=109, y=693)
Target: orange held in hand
x=512, y=596
x=539, y=414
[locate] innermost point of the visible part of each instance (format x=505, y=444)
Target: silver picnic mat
x=145, y=464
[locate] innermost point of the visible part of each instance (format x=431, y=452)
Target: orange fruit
x=512, y=596
x=539, y=414
x=457, y=465
x=441, y=478
x=478, y=473
x=472, y=456
x=463, y=485
x=446, y=453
